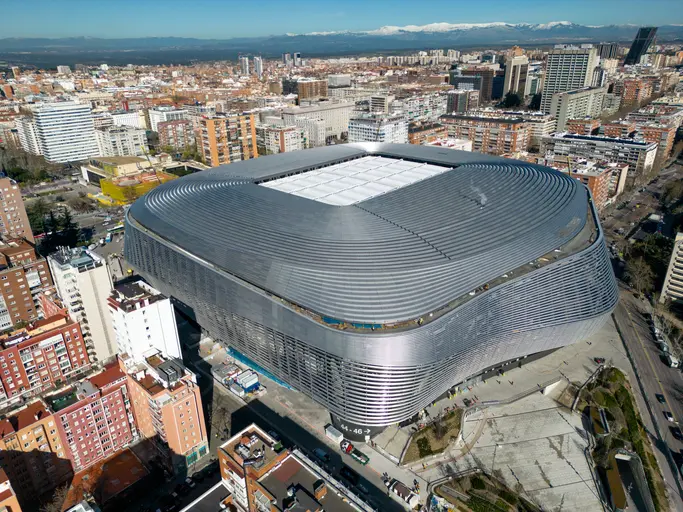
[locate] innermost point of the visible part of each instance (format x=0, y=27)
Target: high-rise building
x=486, y=87
x=176, y=134
x=41, y=356
x=28, y=136
x=378, y=128
x=314, y=130
x=167, y=403
x=244, y=65
x=287, y=59
x=663, y=134
x=282, y=139
x=13, y=218
x=305, y=88
x=640, y=45
x=65, y=131
x=259, y=474
x=335, y=116
x=143, y=319
x=296, y=57
x=339, y=81
x=83, y=282
x=228, y=138
x=258, y=67
x=460, y=101
x=673, y=283
x=492, y=135
x=576, y=104
x=608, y=50
x=567, y=69
x=24, y=277
x=121, y=141
x=516, y=70
x=165, y=114
x=63, y=70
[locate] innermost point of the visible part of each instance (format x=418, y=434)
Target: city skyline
x=112, y=20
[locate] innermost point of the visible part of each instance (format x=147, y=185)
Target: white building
x=567, y=69
x=381, y=104
x=378, y=128
x=335, y=116
x=63, y=70
x=422, y=108
x=339, y=80
x=136, y=119
x=516, y=71
x=83, y=282
x=283, y=139
x=315, y=131
x=577, y=104
x=121, y=141
x=244, y=65
x=28, y=136
x=673, y=283
x=162, y=114
x=143, y=319
x=258, y=67
x=65, y=131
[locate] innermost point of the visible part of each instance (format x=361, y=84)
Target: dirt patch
x=434, y=438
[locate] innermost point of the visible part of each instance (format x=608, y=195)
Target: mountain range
x=160, y=50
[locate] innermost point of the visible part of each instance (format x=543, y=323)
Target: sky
x=223, y=19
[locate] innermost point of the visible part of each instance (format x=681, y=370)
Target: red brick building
x=662, y=134
x=583, y=126
x=176, y=134
x=619, y=129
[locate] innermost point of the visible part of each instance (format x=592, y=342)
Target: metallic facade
x=377, y=308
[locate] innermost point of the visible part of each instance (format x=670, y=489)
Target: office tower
x=459, y=101
x=168, y=409
x=335, y=116
x=24, y=278
x=486, y=84
x=640, y=45
x=229, y=138
x=638, y=155
x=491, y=135
x=378, y=128
x=63, y=70
x=258, y=474
x=164, y=114
x=176, y=134
x=13, y=218
x=121, y=141
x=287, y=59
x=258, y=67
x=673, y=283
x=40, y=357
x=335, y=326
x=608, y=50
x=143, y=319
x=244, y=65
x=65, y=131
x=576, y=104
x=453, y=55
x=296, y=57
x=516, y=70
x=16, y=72
x=83, y=283
x=567, y=69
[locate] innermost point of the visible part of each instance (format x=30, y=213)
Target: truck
x=321, y=455
x=108, y=238
x=403, y=491
x=354, y=452
x=334, y=434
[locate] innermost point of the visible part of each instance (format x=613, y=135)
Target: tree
x=36, y=212
x=57, y=501
x=535, y=103
x=640, y=275
x=511, y=100
x=69, y=229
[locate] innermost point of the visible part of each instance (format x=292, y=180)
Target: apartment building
x=165, y=114
x=23, y=277
x=492, y=135
x=576, y=104
x=335, y=116
x=143, y=319
x=260, y=475
x=40, y=357
x=633, y=91
x=586, y=126
x=33, y=453
x=673, y=283
x=305, y=88
x=378, y=128
x=619, y=129
x=168, y=408
x=423, y=133
x=486, y=74
x=567, y=69
x=28, y=136
x=95, y=417
x=314, y=130
x=539, y=124
x=83, y=281
x=422, y=108
x=135, y=118
x=227, y=139
x=460, y=101
x=121, y=141
x=638, y=155
x=13, y=219
x=8, y=499
x=516, y=70
x=661, y=134
x=176, y=134
x=282, y=139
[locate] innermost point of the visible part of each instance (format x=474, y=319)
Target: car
x=599, y=360
x=668, y=416
x=676, y=432
x=660, y=398
x=198, y=477
x=274, y=435
x=190, y=482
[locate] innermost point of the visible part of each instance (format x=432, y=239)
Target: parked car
x=660, y=398
x=190, y=482
x=668, y=416
x=676, y=432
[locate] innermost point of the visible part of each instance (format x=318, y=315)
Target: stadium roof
x=381, y=258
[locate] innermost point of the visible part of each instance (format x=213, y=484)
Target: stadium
x=375, y=277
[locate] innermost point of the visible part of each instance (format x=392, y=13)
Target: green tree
x=535, y=103
x=36, y=212
x=69, y=229
x=511, y=100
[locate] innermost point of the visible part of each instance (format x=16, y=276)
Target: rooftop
x=251, y=446
x=79, y=258
x=357, y=180
x=23, y=418
x=209, y=501
x=128, y=295
x=119, y=160
x=599, y=138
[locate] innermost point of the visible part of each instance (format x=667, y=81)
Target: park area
x=435, y=437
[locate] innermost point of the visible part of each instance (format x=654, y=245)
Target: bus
x=116, y=229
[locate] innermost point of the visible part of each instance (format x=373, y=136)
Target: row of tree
x=57, y=226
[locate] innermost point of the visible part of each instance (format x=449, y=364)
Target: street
x=656, y=378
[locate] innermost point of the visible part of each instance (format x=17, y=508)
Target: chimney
x=320, y=490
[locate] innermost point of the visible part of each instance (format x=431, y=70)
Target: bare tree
x=640, y=275
x=57, y=501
